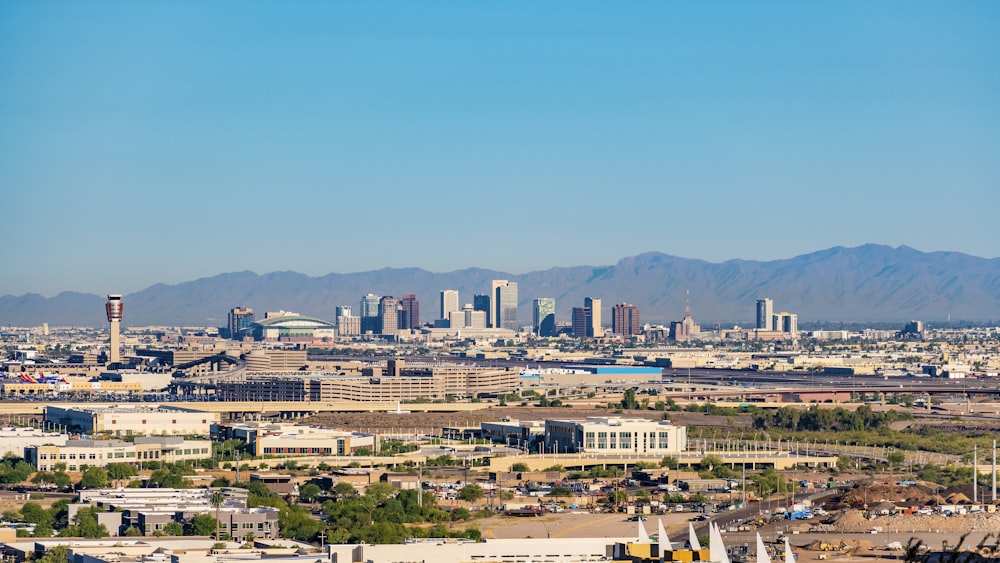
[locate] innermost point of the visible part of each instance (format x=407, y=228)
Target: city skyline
x=875, y=283
x=153, y=133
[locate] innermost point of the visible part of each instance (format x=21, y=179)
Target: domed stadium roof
x=294, y=321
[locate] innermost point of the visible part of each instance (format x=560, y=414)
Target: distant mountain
x=869, y=283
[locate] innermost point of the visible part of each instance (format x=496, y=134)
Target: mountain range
x=870, y=283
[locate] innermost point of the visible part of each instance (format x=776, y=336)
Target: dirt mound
x=901, y=496
x=851, y=521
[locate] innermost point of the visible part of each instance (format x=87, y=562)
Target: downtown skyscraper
x=503, y=304
x=544, y=316
x=625, y=320
x=449, y=302
x=409, y=317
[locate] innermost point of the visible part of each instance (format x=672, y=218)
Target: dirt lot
x=580, y=524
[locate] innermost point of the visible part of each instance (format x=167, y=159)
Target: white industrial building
x=77, y=454
x=13, y=440
x=610, y=435
x=133, y=420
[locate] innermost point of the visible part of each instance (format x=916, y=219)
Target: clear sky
x=145, y=142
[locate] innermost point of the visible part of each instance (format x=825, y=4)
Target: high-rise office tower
x=449, y=302
x=544, y=316
x=625, y=320
x=484, y=303
x=240, y=322
x=348, y=325
x=765, y=314
x=115, y=309
x=467, y=317
x=504, y=304
x=595, y=330
x=409, y=317
x=388, y=315
x=369, y=314
x=786, y=322
x=581, y=321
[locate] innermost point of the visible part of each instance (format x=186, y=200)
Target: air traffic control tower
x=114, y=308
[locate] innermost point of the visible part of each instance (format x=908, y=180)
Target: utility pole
x=975, y=473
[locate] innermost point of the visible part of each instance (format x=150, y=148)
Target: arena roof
x=294, y=321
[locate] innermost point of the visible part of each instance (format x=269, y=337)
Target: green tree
x=344, y=489
x=519, y=467
x=629, y=401
x=710, y=462
x=460, y=514
x=94, y=478
x=669, y=462
x=896, y=458
x=220, y=482
x=44, y=530
x=616, y=496
x=173, y=529
x=119, y=471
x=57, y=554
x=61, y=479
x=85, y=525
x=200, y=525
x=14, y=469
x=843, y=462
x=217, y=499
x=170, y=479
x=471, y=492
x=309, y=492
x=559, y=491
x=33, y=513
x=296, y=523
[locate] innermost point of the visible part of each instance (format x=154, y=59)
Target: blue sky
x=145, y=142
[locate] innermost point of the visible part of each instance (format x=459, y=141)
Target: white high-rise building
x=787, y=323
x=595, y=329
x=449, y=302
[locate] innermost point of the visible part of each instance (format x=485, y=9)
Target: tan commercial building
x=70, y=385
x=265, y=439
x=133, y=420
x=397, y=383
x=99, y=453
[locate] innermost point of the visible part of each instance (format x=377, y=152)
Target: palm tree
x=217, y=500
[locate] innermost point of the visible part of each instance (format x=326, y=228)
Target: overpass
x=293, y=408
